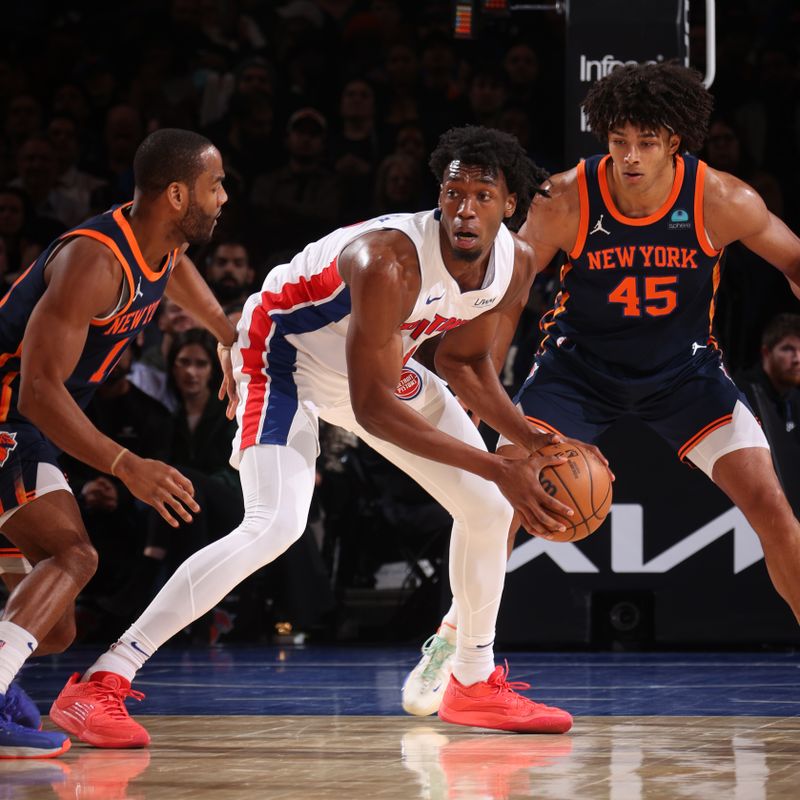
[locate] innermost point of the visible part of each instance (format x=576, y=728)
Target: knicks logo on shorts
x=8, y=443
x=410, y=384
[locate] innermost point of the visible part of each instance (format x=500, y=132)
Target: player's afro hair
x=167, y=155
x=486, y=147
x=665, y=95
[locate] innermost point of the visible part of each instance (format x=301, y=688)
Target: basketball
x=582, y=483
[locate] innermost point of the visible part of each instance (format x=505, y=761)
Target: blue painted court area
x=355, y=680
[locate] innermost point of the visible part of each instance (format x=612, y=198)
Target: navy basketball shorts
x=28, y=469
x=693, y=405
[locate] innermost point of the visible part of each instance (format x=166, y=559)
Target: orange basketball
x=582, y=483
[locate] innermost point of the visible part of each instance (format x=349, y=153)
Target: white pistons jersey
x=291, y=346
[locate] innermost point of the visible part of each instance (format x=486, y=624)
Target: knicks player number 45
x=659, y=298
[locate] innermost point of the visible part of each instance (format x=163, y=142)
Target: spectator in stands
x=229, y=273
x=298, y=202
x=355, y=149
x=398, y=186
x=773, y=389
x=37, y=176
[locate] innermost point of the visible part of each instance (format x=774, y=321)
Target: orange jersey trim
x=11, y=552
x=699, y=218
x=539, y=423
x=14, y=285
x=20, y=493
x=134, y=245
x=701, y=434
x=583, y=215
x=605, y=192
x=6, y=356
x=112, y=246
x=113, y=353
x=548, y=319
x=5, y=395
x=716, y=275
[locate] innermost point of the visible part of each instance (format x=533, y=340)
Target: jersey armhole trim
x=583, y=215
x=126, y=270
x=699, y=218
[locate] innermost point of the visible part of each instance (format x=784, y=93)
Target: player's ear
x=511, y=206
x=177, y=195
x=674, y=143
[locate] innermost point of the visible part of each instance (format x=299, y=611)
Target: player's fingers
x=549, y=461
x=233, y=401
x=182, y=496
x=548, y=510
x=177, y=506
x=182, y=482
x=543, y=439
x=223, y=389
x=162, y=510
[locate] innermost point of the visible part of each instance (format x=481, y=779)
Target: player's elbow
x=369, y=415
x=32, y=401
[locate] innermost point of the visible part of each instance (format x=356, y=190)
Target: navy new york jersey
x=107, y=337
x=637, y=293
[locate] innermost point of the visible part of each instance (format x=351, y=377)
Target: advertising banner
x=674, y=564
x=604, y=34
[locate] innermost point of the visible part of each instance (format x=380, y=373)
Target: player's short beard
x=197, y=226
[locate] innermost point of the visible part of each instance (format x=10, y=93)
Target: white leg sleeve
x=277, y=483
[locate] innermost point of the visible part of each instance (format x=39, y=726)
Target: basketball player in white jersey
x=331, y=335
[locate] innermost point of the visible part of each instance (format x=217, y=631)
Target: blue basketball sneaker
x=21, y=709
x=17, y=741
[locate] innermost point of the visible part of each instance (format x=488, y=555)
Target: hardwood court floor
x=346, y=738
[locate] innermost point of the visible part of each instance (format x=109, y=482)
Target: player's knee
x=80, y=560
x=269, y=533
x=488, y=512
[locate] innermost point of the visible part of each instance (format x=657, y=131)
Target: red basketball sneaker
x=493, y=703
x=95, y=712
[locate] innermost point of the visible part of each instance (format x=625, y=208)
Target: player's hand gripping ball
x=583, y=483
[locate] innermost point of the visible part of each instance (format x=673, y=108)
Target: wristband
x=116, y=460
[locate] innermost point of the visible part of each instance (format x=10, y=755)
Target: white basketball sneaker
x=425, y=685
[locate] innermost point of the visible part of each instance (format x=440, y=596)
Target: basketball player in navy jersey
x=644, y=228
x=63, y=326
x=332, y=335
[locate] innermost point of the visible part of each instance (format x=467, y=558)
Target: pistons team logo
x=8, y=443
x=410, y=384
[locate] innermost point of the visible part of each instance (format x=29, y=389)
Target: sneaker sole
x=6, y=753
x=502, y=722
x=67, y=723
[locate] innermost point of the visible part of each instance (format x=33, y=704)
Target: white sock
x=475, y=658
x=447, y=632
x=16, y=644
x=125, y=657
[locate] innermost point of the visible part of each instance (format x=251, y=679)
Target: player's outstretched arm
x=84, y=283
x=188, y=289
x=735, y=211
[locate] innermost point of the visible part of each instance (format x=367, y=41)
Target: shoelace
x=504, y=685
x=438, y=653
x=114, y=699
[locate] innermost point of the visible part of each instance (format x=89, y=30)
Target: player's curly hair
x=487, y=147
x=167, y=155
x=665, y=95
